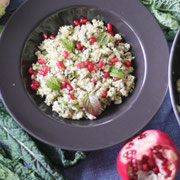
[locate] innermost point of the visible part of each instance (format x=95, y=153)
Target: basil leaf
x=115, y=72
x=68, y=44
x=54, y=83
x=24, y=148
x=104, y=38
x=91, y=104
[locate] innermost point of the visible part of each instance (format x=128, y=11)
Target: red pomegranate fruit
x=150, y=155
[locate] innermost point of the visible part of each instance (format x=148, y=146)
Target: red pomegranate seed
x=83, y=48
x=145, y=167
x=83, y=20
x=109, y=27
x=104, y=94
x=60, y=65
x=69, y=87
x=32, y=77
x=33, y=87
x=128, y=63
x=151, y=162
x=116, y=79
x=64, y=84
x=145, y=158
x=30, y=70
x=65, y=54
x=36, y=84
x=79, y=65
x=93, y=80
x=100, y=64
x=86, y=63
x=72, y=96
x=76, y=23
x=92, y=40
x=44, y=35
x=164, y=161
x=156, y=170
x=52, y=37
x=78, y=46
x=112, y=33
x=117, y=42
x=41, y=61
x=106, y=74
x=45, y=68
x=91, y=67
x=41, y=72
x=160, y=156
x=114, y=60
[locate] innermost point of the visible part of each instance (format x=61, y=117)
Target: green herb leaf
x=68, y=44
x=54, y=83
x=91, y=104
x=24, y=148
x=104, y=38
x=115, y=72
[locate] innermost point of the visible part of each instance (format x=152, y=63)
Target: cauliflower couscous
x=82, y=69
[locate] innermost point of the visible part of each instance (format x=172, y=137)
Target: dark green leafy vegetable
x=115, y=72
x=22, y=147
x=68, y=44
x=91, y=104
x=104, y=38
x=167, y=13
x=54, y=83
x=15, y=167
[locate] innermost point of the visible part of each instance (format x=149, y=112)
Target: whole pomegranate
x=150, y=155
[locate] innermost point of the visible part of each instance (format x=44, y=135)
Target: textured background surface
x=101, y=165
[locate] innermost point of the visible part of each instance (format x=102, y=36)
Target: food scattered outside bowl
x=83, y=69
x=151, y=155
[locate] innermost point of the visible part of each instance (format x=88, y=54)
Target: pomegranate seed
x=76, y=23
x=116, y=79
x=112, y=33
x=36, y=84
x=145, y=167
x=30, y=70
x=91, y=67
x=156, y=170
x=93, y=80
x=168, y=172
x=83, y=48
x=86, y=63
x=114, y=60
x=135, y=169
x=64, y=84
x=65, y=54
x=160, y=156
x=151, y=162
x=164, y=162
x=83, y=20
x=128, y=63
x=44, y=35
x=100, y=64
x=41, y=72
x=145, y=158
x=135, y=177
x=104, y=94
x=92, y=40
x=45, y=68
x=60, y=65
x=79, y=65
x=32, y=77
x=78, y=46
x=33, y=87
x=41, y=61
x=117, y=42
x=72, y=96
x=52, y=37
x=69, y=87
x=109, y=27
x=106, y=74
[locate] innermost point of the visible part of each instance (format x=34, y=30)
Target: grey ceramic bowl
x=117, y=122
x=174, y=74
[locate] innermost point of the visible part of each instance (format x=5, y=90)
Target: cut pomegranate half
x=151, y=155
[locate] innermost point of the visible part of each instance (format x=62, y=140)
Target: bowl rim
x=170, y=76
x=100, y=142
